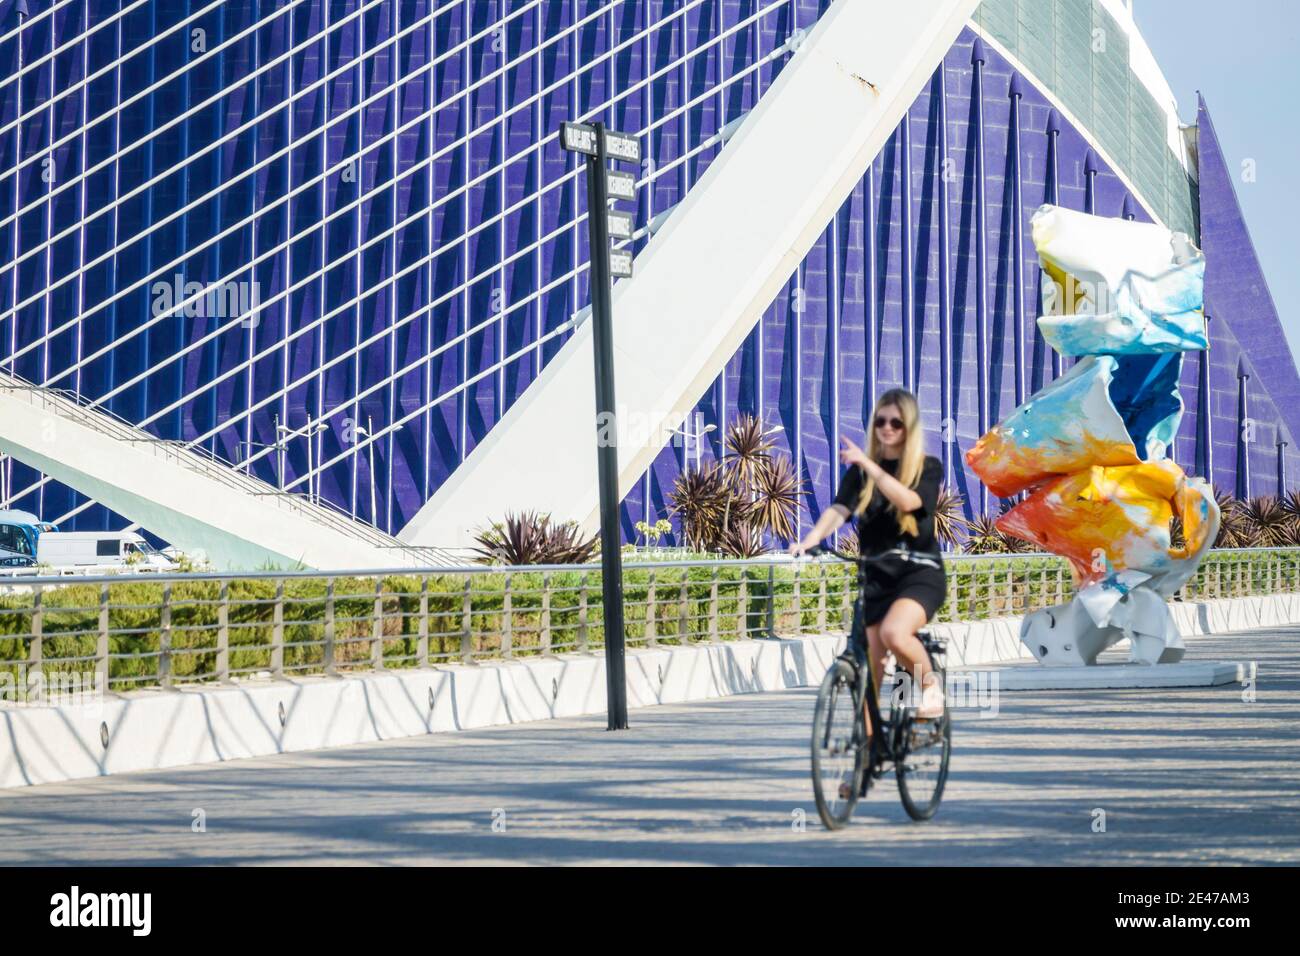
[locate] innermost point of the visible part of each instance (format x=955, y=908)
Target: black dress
x=878, y=532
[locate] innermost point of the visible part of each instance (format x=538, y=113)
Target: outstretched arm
x=901, y=496
x=830, y=520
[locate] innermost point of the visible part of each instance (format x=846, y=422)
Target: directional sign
x=620, y=224
x=621, y=146
x=579, y=138
x=620, y=263
x=620, y=185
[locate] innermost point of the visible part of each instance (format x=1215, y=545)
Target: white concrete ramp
x=194, y=502
x=1029, y=675
x=703, y=281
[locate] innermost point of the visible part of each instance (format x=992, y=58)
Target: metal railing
x=172, y=629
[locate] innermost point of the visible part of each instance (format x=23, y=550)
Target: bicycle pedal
x=926, y=735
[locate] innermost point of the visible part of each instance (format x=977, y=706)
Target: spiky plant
x=849, y=543
x=700, y=500
x=565, y=544
x=950, y=524
x=984, y=537
x=1291, y=505
x=532, y=538
x=1269, y=523
x=744, y=539
x=516, y=540
x=749, y=449
x=1291, y=502
x=1020, y=545
x=1177, y=537
x=1234, y=529
x=732, y=505
x=776, y=493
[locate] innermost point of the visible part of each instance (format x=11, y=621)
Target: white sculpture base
x=1031, y=677
x=1069, y=635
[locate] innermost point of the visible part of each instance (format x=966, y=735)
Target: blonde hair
x=910, y=462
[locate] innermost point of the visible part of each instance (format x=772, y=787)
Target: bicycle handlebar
x=863, y=559
x=817, y=550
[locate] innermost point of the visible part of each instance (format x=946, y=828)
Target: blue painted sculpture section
x=1118, y=287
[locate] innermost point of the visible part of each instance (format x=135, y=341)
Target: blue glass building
x=331, y=241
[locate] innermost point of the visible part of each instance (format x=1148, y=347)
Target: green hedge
x=686, y=609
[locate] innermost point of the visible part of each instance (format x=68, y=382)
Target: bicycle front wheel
x=838, y=758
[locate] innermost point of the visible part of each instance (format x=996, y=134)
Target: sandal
x=932, y=702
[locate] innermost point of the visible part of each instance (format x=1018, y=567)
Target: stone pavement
x=1192, y=775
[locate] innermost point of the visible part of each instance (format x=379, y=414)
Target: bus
x=19, y=533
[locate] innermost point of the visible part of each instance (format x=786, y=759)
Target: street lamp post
x=369, y=432
x=694, y=440
x=598, y=144
x=308, y=431
x=279, y=452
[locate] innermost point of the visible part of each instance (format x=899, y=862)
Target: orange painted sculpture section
x=1111, y=519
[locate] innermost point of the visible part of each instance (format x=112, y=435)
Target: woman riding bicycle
x=892, y=488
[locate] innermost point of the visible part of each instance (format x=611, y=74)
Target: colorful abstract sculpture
x=1089, y=451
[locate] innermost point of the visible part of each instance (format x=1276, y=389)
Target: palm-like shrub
x=1290, y=503
x=701, y=500
x=1269, y=523
x=744, y=539
x=749, y=451
x=532, y=538
x=1234, y=529
x=950, y=524
x=776, y=493
x=983, y=536
x=731, y=506
x=848, y=541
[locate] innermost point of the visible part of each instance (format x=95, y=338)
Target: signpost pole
x=606, y=434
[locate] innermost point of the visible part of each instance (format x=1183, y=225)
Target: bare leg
x=898, y=633
x=878, y=651
x=876, y=646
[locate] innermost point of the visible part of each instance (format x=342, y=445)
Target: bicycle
x=843, y=766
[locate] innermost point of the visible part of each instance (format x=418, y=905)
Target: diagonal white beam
x=704, y=280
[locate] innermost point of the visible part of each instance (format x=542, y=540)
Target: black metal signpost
x=599, y=144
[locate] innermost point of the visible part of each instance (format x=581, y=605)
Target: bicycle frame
x=885, y=745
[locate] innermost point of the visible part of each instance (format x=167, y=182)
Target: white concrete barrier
x=155, y=729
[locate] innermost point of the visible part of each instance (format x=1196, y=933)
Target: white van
x=78, y=549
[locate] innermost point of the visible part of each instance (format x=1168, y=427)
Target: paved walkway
x=1184, y=776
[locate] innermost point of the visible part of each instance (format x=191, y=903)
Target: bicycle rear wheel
x=838, y=759
x=922, y=768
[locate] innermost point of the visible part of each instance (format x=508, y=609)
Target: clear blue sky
x=1244, y=57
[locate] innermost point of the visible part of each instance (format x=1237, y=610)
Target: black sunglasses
x=894, y=423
